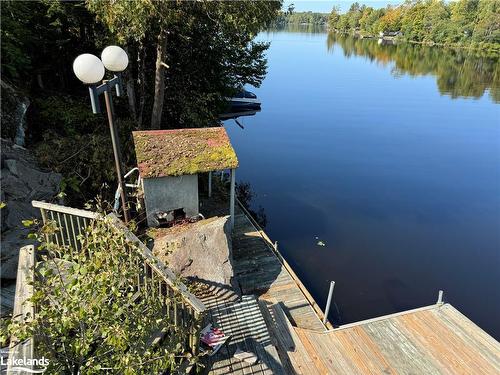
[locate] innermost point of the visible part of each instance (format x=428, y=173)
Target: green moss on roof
x=183, y=151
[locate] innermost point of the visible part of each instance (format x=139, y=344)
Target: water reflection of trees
x=299, y=28
x=245, y=195
x=458, y=73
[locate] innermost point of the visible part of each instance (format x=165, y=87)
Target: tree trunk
x=141, y=77
x=130, y=84
x=131, y=97
x=39, y=80
x=159, y=95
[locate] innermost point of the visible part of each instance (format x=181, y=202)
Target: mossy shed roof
x=183, y=151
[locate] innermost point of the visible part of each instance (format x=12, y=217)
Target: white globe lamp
x=114, y=58
x=88, y=68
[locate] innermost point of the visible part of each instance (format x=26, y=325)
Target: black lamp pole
x=105, y=89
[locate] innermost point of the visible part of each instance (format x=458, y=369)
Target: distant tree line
x=471, y=22
x=290, y=17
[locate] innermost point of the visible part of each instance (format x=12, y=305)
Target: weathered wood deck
x=434, y=340
x=264, y=280
x=243, y=321
x=260, y=271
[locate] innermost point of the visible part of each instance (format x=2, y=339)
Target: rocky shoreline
x=22, y=181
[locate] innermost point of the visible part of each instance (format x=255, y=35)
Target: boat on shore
x=243, y=100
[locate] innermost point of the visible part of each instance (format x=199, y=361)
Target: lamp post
x=90, y=70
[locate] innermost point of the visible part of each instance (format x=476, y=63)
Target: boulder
x=198, y=251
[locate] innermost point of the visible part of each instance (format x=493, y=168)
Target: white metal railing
x=23, y=309
x=185, y=312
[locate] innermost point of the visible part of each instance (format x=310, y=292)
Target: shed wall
x=169, y=193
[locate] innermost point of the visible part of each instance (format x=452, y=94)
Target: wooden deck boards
x=242, y=320
x=437, y=340
x=433, y=340
x=259, y=271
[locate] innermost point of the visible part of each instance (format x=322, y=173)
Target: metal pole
x=94, y=99
x=328, y=302
x=116, y=154
x=209, y=184
x=440, y=298
x=115, y=131
x=231, y=200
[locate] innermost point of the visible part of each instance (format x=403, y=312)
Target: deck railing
x=183, y=309
x=23, y=309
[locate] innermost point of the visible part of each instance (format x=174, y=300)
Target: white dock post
x=210, y=184
x=231, y=201
x=440, y=298
x=328, y=302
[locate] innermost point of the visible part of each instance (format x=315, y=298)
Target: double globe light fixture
x=90, y=70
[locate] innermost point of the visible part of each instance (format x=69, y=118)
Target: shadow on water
x=459, y=73
x=235, y=115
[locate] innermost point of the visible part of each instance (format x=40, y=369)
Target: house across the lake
x=390, y=34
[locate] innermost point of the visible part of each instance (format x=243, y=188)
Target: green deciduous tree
x=334, y=18
x=487, y=23
x=182, y=31
x=471, y=23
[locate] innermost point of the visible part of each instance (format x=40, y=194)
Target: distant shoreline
x=488, y=48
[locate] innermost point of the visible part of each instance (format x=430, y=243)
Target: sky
x=325, y=6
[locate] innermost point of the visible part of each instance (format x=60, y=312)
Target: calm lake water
x=390, y=155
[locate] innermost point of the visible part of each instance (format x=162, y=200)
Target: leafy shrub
x=68, y=138
x=65, y=115
x=90, y=317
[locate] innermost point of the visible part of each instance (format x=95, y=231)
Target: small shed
x=169, y=162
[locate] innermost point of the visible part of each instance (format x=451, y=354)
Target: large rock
x=198, y=251
x=22, y=181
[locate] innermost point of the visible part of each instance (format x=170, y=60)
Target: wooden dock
x=279, y=321
x=260, y=271
x=244, y=322
x=266, y=282
x=433, y=340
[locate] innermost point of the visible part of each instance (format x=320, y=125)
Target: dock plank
x=424, y=341
x=405, y=357
x=260, y=271
x=244, y=322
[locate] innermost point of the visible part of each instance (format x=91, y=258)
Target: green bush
x=90, y=317
x=65, y=115
x=68, y=138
